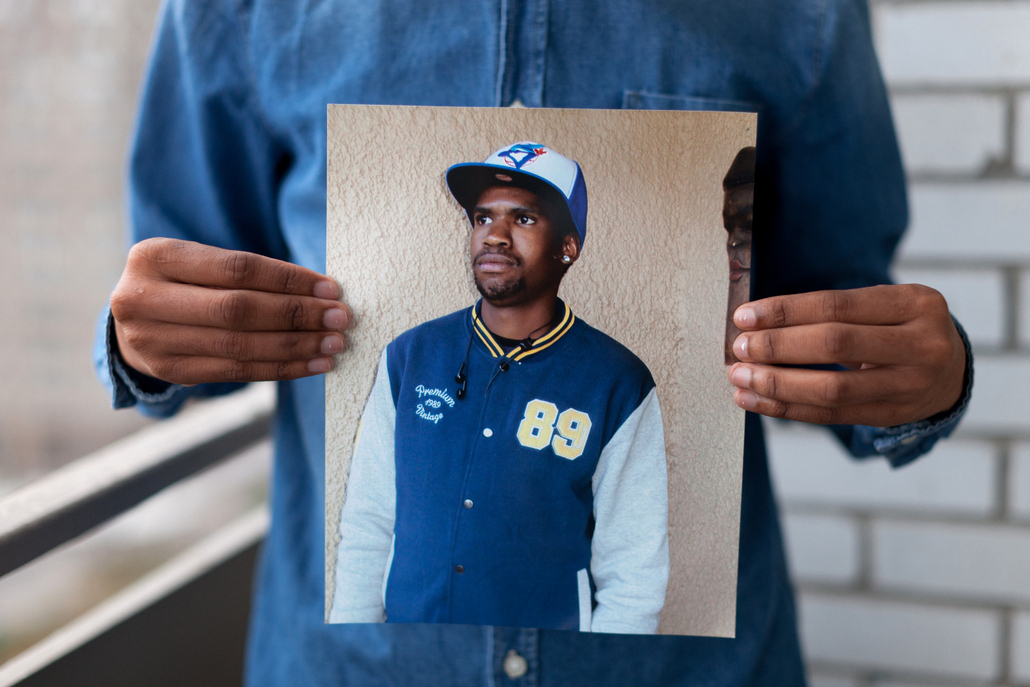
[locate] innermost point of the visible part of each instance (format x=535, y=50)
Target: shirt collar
x=565, y=322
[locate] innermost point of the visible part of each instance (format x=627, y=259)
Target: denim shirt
x=230, y=150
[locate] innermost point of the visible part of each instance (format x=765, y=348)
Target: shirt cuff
x=901, y=444
x=129, y=386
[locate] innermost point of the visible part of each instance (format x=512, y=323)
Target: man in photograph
x=509, y=468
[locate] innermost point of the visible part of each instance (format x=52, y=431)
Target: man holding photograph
x=510, y=466
x=223, y=285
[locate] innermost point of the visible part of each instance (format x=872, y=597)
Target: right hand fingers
x=192, y=369
x=233, y=309
x=223, y=315
x=169, y=340
x=873, y=305
x=188, y=355
x=195, y=263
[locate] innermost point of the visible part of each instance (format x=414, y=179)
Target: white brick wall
x=950, y=133
x=976, y=298
x=811, y=470
x=822, y=548
x=826, y=680
x=1019, y=482
x=921, y=576
x=983, y=220
x=899, y=636
x=1020, y=649
x=949, y=43
x=1023, y=316
x=1023, y=133
x=952, y=532
x=1001, y=400
x=988, y=562
x=927, y=683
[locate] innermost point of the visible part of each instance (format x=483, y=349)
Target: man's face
x=736, y=216
x=516, y=256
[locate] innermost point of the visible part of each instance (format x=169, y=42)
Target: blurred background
x=70, y=71
x=909, y=578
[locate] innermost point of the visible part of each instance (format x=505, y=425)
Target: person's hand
x=905, y=357
x=188, y=313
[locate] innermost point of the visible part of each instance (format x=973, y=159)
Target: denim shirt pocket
x=643, y=100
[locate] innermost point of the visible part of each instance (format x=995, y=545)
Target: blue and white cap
x=528, y=165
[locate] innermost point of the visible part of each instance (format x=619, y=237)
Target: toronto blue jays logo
x=522, y=154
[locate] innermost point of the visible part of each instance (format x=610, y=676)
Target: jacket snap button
x=488, y=432
x=514, y=665
x=459, y=568
x=468, y=503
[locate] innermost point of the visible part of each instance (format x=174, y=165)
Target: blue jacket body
x=513, y=502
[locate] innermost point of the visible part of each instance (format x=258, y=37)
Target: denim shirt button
x=514, y=665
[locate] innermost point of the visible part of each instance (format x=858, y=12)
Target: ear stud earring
x=566, y=259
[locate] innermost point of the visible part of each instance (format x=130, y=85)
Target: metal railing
x=89, y=492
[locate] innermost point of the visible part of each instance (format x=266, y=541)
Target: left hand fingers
x=885, y=305
x=877, y=414
x=833, y=396
x=906, y=330
x=829, y=388
x=838, y=343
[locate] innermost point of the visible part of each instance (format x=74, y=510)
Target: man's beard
x=496, y=291
x=501, y=292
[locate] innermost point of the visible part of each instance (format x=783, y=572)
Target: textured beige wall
x=653, y=275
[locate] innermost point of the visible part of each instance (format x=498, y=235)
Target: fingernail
x=744, y=317
x=332, y=344
x=327, y=289
x=319, y=365
x=740, y=347
x=335, y=318
x=741, y=376
x=746, y=400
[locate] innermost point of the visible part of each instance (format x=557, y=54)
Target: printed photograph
x=566, y=468
x=511, y=461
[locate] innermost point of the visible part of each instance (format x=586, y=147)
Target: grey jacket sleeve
x=367, y=518
x=629, y=557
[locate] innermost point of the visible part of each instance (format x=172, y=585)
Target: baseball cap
x=528, y=165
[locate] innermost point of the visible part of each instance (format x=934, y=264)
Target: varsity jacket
x=538, y=498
